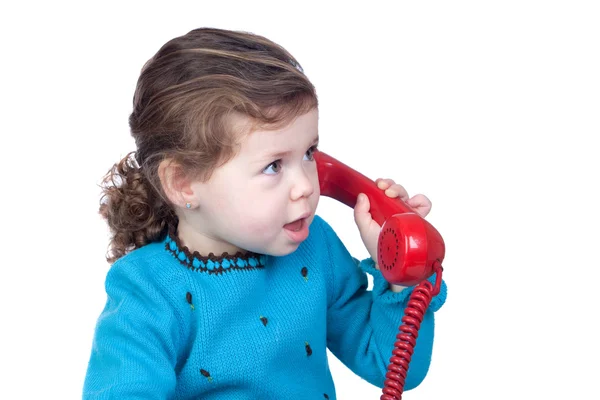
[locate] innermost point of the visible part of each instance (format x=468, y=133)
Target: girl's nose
x=303, y=186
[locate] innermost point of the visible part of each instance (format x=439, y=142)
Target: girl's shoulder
x=320, y=230
x=148, y=255
x=150, y=265
x=320, y=239
x=319, y=225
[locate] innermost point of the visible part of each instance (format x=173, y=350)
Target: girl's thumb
x=361, y=210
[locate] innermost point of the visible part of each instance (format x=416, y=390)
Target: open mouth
x=297, y=230
x=295, y=226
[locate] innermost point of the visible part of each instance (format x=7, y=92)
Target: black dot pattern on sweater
x=264, y=320
x=188, y=298
x=304, y=272
x=206, y=374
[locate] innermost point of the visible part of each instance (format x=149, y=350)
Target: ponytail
x=135, y=212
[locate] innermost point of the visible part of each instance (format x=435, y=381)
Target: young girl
x=224, y=283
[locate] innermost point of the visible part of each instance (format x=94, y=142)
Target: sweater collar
x=212, y=263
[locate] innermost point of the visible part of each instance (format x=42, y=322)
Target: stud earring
x=188, y=205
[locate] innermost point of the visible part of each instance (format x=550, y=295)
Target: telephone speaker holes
x=388, y=249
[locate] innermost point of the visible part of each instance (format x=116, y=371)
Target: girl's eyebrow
x=281, y=154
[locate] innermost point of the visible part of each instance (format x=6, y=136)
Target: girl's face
x=263, y=199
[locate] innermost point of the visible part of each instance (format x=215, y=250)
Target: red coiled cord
x=418, y=303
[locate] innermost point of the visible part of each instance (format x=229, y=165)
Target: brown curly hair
x=182, y=107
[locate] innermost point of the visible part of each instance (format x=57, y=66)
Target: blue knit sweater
x=177, y=325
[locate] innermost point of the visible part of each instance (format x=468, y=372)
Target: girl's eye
x=275, y=167
x=309, y=153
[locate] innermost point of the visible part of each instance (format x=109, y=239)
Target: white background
x=489, y=108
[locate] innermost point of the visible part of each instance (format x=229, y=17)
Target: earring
x=188, y=205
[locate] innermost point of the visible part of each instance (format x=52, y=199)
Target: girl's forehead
x=301, y=132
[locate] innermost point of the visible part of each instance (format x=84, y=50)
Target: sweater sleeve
x=362, y=325
x=134, y=347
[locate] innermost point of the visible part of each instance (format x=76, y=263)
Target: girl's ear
x=175, y=183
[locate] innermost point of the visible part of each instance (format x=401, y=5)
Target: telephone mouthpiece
x=409, y=249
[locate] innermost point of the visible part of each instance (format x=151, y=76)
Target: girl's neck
x=202, y=242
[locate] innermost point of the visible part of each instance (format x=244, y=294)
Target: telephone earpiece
x=409, y=248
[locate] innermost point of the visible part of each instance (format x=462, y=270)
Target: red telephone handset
x=409, y=250
x=409, y=247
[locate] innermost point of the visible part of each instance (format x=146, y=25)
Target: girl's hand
x=368, y=228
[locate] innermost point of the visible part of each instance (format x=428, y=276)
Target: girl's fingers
x=397, y=190
x=421, y=204
x=383, y=184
